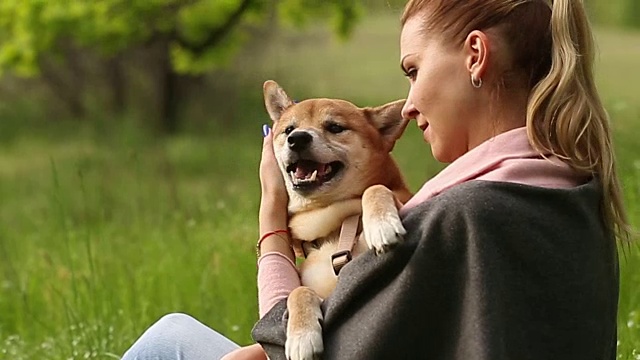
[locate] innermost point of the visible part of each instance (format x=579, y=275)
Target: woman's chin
x=443, y=155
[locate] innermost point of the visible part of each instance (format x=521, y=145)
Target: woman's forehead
x=410, y=34
x=414, y=36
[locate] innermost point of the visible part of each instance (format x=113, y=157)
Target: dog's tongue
x=305, y=168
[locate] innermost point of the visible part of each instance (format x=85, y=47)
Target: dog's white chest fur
x=317, y=270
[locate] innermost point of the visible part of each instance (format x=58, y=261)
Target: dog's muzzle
x=299, y=141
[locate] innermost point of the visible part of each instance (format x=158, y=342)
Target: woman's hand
x=273, y=204
x=271, y=181
x=252, y=352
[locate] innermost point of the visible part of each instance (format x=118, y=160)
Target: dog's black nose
x=299, y=140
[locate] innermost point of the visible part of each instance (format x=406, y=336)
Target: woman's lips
x=424, y=127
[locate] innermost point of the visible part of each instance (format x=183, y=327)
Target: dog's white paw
x=305, y=345
x=304, y=326
x=382, y=230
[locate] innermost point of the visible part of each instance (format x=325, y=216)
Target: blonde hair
x=552, y=48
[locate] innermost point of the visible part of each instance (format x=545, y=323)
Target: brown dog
x=335, y=158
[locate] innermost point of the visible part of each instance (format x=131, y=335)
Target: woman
x=510, y=252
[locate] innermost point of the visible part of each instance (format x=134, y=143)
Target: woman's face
x=441, y=97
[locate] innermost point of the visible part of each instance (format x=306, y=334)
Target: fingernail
x=265, y=130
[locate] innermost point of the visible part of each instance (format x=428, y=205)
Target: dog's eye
x=288, y=130
x=335, y=128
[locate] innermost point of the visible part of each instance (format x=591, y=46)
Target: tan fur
x=376, y=198
x=319, y=223
x=368, y=183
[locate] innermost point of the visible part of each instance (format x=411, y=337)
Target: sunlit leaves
x=185, y=62
x=344, y=13
x=32, y=29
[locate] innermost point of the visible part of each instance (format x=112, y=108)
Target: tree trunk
x=68, y=94
x=170, y=95
x=67, y=86
x=117, y=85
x=77, y=80
x=632, y=13
x=170, y=102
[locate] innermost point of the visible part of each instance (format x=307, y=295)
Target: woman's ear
x=476, y=46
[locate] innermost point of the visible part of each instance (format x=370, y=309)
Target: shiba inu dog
x=336, y=162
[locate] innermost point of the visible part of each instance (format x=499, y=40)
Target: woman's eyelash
x=411, y=73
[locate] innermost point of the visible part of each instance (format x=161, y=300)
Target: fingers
x=274, y=197
x=270, y=175
x=268, y=136
x=268, y=155
x=252, y=352
x=267, y=144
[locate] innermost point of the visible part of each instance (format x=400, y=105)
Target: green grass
x=104, y=229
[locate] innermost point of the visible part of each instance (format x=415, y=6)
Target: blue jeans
x=179, y=337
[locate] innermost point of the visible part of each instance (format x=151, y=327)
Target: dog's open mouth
x=306, y=174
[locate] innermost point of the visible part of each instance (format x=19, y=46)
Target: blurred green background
x=129, y=148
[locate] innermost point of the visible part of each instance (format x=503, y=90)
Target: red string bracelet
x=266, y=235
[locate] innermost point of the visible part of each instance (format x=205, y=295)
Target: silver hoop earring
x=476, y=83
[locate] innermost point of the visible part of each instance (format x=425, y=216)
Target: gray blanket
x=487, y=271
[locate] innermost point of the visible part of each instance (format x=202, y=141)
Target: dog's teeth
x=313, y=176
x=327, y=169
x=294, y=179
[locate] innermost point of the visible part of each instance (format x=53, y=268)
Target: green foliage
x=104, y=229
x=625, y=13
x=300, y=12
x=631, y=13
x=202, y=33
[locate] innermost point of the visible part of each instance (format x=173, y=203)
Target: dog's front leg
x=381, y=224
x=304, y=328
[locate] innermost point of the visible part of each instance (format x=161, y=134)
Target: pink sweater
x=508, y=157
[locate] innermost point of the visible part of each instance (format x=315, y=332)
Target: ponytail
x=552, y=54
x=565, y=116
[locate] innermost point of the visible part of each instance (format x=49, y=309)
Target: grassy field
x=104, y=228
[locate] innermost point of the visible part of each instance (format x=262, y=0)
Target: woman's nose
x=409, y=111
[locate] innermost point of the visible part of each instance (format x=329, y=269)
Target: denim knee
x=179, y=336
x=174, y=323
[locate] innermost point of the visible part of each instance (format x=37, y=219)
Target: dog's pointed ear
x=275, y=99
x=389, y=122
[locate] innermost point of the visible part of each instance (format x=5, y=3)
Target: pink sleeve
x=277, y=277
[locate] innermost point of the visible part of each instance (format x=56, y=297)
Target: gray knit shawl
x=487, y=271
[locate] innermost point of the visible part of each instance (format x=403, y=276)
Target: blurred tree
x=48, y=37
x=617, y=13
x=632, y=13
